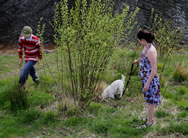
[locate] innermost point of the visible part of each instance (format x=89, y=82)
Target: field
x=43, y=116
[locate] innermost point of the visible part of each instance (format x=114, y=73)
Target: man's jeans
x=28, y=69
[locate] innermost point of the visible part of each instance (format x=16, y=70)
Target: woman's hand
x=136, y=61
x=21, y=61
x=146, y=87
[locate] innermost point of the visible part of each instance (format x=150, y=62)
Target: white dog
x=115, y=88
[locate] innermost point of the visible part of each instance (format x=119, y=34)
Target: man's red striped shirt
x=31, y=48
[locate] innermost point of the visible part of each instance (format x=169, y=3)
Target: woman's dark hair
x=146, y=35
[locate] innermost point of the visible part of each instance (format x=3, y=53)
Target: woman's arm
x=152, y=56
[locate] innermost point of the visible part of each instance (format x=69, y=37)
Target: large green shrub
x=86, y=37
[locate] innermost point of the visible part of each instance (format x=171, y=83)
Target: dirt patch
x=6, y=49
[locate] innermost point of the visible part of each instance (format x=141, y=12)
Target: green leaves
x=167, y=36
x=88, y=35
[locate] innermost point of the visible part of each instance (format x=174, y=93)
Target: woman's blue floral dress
x=153, y=95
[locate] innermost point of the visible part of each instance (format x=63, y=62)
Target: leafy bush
x=167, y=36
x=86, y=37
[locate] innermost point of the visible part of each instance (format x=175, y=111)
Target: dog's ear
x=122, y=77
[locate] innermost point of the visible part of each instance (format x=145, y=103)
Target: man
x=30, y=45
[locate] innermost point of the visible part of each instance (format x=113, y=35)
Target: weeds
x=68, y=107
x=180, y=74
x=28, y=116
x=183, y=105
x=36, y=98
x=182, y=91
x=95, y=107
x=12, y=96
x=182, y=115
x=161, y=114
x=173, y=127
x=77, y=121
x=50, y=117
x=18, y=99
x=101, y=126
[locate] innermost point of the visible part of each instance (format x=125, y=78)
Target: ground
x=113, y=118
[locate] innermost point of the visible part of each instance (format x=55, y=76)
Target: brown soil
x=7, y=49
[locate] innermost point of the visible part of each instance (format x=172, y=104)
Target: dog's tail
x=122, y=77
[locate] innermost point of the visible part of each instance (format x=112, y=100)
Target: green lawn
x=115, y=118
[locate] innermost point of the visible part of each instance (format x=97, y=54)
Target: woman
x=148, y=74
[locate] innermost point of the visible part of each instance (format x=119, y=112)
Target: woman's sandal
x=144, y=125
x=145, y=120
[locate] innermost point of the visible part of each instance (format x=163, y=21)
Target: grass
x=8, y=65
x=175, y=128
x=114, y=118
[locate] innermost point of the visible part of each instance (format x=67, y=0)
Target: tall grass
x=180, y=74
x=12, y=97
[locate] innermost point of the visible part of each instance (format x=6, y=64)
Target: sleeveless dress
x=153, y=95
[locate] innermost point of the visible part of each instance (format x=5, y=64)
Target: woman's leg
x=151, y=109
